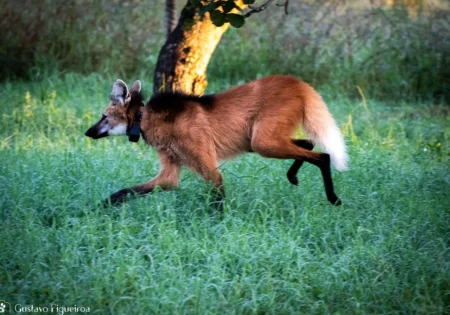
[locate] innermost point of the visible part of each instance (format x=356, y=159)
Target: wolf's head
x=117, y=117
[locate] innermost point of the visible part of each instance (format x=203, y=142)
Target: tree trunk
x=183, y=59
x=170, y=18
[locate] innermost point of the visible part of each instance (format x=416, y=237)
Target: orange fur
x=260, y=116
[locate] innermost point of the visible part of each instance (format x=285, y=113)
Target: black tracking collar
x=135, y=131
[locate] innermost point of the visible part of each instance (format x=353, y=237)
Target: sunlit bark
x=184, y=58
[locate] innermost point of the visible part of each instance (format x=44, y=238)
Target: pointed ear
x=120, y=94
x=136, y=87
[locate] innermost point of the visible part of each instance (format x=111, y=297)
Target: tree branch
x=285, y=5
x=264, y=6
x=257, y=9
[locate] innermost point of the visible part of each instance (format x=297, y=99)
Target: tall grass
x=386, y=51
x=78, y=35
x=277, y=249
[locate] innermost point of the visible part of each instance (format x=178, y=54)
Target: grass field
x=277, y=249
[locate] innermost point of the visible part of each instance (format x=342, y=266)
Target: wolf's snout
x=94, y=134
x=90, y=133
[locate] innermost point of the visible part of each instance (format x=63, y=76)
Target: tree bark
x=184, y=58
x=170, y=18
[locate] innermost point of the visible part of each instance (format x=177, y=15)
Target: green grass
x=277, y=249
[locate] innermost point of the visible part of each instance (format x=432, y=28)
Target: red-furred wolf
x=198, y=131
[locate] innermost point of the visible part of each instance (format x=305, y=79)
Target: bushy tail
x=321, y=127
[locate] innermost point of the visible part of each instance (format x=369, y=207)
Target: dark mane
x=174, y=103
x=136, y=98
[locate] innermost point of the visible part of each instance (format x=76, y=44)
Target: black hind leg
x=293, y=170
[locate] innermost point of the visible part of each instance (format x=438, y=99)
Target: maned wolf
x=198, y=131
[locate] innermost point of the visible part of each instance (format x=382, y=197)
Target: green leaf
x=236, y=20
x=195, y=3
x=218, y=18
x=227, y=6
x=209, y=7
x=187, y=24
